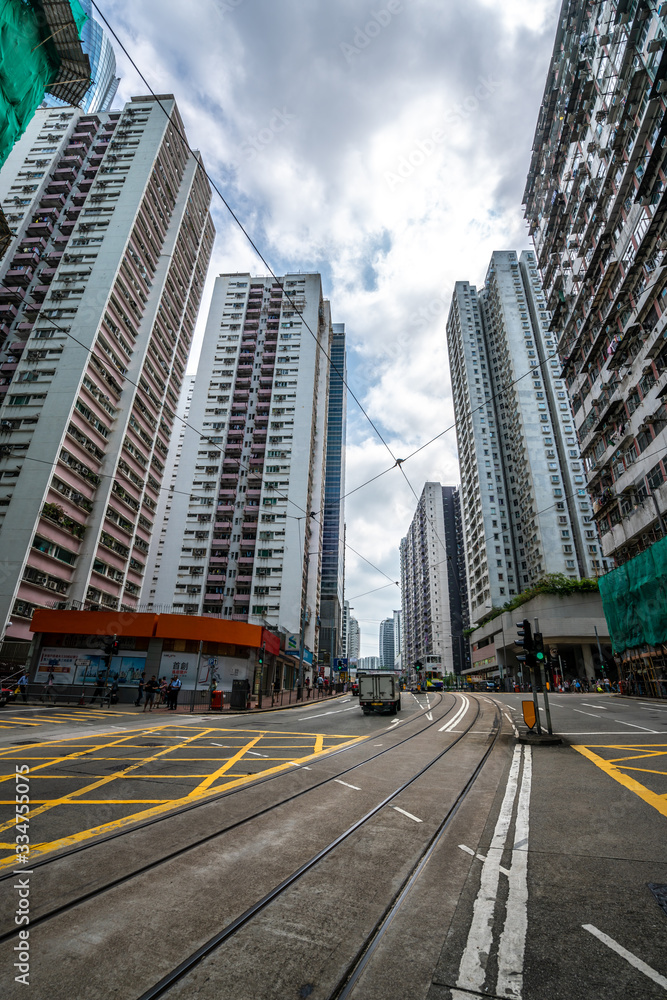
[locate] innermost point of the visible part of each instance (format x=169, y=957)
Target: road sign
x=529, y=716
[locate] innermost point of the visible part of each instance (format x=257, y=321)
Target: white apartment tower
x=101, y=288
x=244, y=536
x=429, y=580
x=526, y=512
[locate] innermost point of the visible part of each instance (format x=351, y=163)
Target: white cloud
x=395, y=170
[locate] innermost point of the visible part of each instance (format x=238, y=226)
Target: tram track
x=173, y=855
x=347, y=981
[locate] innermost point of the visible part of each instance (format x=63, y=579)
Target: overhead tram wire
x=262, y=258
x=397, y=462
x=199, y=165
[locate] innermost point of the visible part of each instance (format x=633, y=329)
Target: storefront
x=197, y=649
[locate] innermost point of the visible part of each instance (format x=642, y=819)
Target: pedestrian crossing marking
x=617, y=767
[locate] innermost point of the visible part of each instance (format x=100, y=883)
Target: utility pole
x=302, y=637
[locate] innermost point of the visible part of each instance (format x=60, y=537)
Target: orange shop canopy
x=94, y=622
x=131, y=623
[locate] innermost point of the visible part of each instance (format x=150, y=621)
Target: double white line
x=472, y=970
x=453, y=723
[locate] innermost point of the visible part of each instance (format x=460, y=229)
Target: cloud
x=315, y=195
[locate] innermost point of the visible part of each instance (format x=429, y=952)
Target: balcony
x=14, y=294
x=7, y=311
x=214, y=597
x=55, y=200
x=40, y=227
x=58, y=187
x=19, y=275
x=72, y=161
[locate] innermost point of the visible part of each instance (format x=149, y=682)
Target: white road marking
x=512, y=947
x=472, y=970
x=481, y=857
x=222, y=746
x=396, y=722
x=601, y=708
x=656, y=709
x=449, y=726
x=627, y=955
x=321, y=715
x=356, y=787
x=588, y=713
x=429, y=716
x=253, y=753
x=409, y=815
x=377, y=744
x=622, y=723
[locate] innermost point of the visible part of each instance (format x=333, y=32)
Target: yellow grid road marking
x=206, y=788
x=615, y=769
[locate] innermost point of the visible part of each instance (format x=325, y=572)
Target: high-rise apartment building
x=398, y=633
x=353, y=635
x=99, y=297
x=387, y=649
x=596, y=200
x=430, y=572
x=97, y=46
x=525, y=509
x=458, y=589
x=244, y=540
x=333, y=515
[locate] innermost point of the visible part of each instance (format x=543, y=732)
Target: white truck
x=379, y=691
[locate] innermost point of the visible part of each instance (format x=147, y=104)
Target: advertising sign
x=85, y=666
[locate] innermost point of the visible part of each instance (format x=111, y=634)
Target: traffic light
x=115, y=646
x=538, y=647
x=418, y=665
x=260, y=656
x=525, y=639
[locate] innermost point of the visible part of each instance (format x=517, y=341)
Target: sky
x=385, y=145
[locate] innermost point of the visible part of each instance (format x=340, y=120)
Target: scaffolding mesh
x=28, y=63
x=634, y=599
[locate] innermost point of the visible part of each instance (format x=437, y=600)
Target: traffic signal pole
x=538, y=647
x=526, y=641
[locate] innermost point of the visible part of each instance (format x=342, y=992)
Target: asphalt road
x=537, y=887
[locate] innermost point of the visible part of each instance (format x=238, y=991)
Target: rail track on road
x=354, y=968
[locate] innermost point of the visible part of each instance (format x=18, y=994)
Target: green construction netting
x=79, y=15
x=26, y=66
x=634, y=599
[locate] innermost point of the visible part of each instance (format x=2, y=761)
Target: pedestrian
x=99, y=691
x=23, y=686
x=173, y=691
x=577, y=686
x=307, y=683
x=163, y=691
x=140, y=691
x=151, y=688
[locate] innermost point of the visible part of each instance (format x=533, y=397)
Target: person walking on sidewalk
x=172, y=692
x=151, y=688
x=23, y=686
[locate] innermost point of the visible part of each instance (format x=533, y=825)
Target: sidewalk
x=282, y=701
